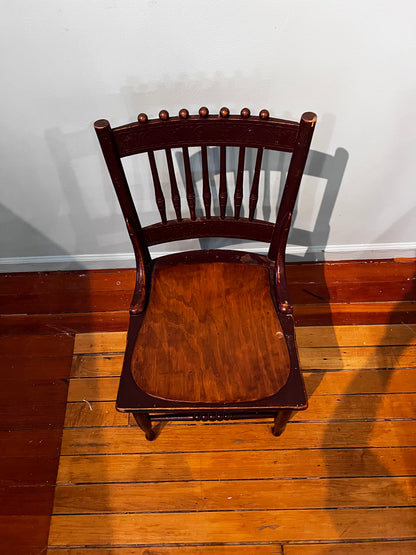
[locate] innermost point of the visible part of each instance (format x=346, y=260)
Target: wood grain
x=67, y=323
x=364, y=548
x=351, y=382
x=232, y=348
x=28, y=470
x=406, y=547
x=23, y=534
x=328, y=407
x=232, y=526
x=100, y=342
x=86, y=414
x=307, y=336
x=382, y=312
x=260, y=464
x=235, y=495
x=319, y=383
x=176, y=550
x=31, y=286
x=26, y=499
x=88, y=366
x=353, y=336
x=310, y=435
x=350, y=358
x=355, y=313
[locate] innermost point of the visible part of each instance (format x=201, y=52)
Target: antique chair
x=211, y=333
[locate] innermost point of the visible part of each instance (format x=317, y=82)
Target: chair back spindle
x=176, y=199
x=222, y=195
x=160, y=199
x=254, y=193
x=238, y=194
x=190, y=193
x=206, y=191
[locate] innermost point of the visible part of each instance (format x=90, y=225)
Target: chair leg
x=144, y=422
x=280, y=421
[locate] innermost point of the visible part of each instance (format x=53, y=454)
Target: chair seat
x=211, y=334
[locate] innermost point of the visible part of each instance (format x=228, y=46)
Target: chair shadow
x=311, y=241
x=21, y=255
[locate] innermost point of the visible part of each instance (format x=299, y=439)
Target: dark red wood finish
x=223, y=131
x=34, y=372
x=98, y=300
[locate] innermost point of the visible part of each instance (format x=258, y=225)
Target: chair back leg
x=280, y=421
x=144, y=422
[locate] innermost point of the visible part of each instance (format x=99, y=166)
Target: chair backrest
x=224, y=130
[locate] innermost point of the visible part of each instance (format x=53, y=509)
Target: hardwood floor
x=341, y=479
x=343, y=472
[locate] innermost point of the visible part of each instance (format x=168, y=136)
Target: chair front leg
x=144, y=422
x=280, y=421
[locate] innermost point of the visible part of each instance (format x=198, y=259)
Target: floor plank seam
x=220, y=480
x=232, y=544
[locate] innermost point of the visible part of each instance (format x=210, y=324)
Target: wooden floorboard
x=341, y=479
x=102, y=290
x=312, y=336
x=34, y=372
x=353, y=313
x=249, y=494
x=347, y=548
x=232, y=526
x=340, y=293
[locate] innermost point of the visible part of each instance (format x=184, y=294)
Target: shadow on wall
x=93, y=212
x=317, y=200
x=19, y=239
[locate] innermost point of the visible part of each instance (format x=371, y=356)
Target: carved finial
x=224, y=112
x=264, y=114
x=245, y=113
x=164, y=115
x=310, y=117
x=203, y=112
x=101, y=124
x=142, y=118
x=183, y=114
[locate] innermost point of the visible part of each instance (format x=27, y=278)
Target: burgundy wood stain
x=33, y=382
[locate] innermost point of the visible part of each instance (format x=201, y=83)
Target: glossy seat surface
x=211, y=334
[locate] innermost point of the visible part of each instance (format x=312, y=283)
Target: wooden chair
x=211, y=333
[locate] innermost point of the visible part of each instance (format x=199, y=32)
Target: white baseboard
x=126, y=260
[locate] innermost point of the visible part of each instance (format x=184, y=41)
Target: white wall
x=65, y=64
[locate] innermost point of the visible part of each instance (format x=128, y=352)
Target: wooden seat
x=211, y=334
x=232, y=348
